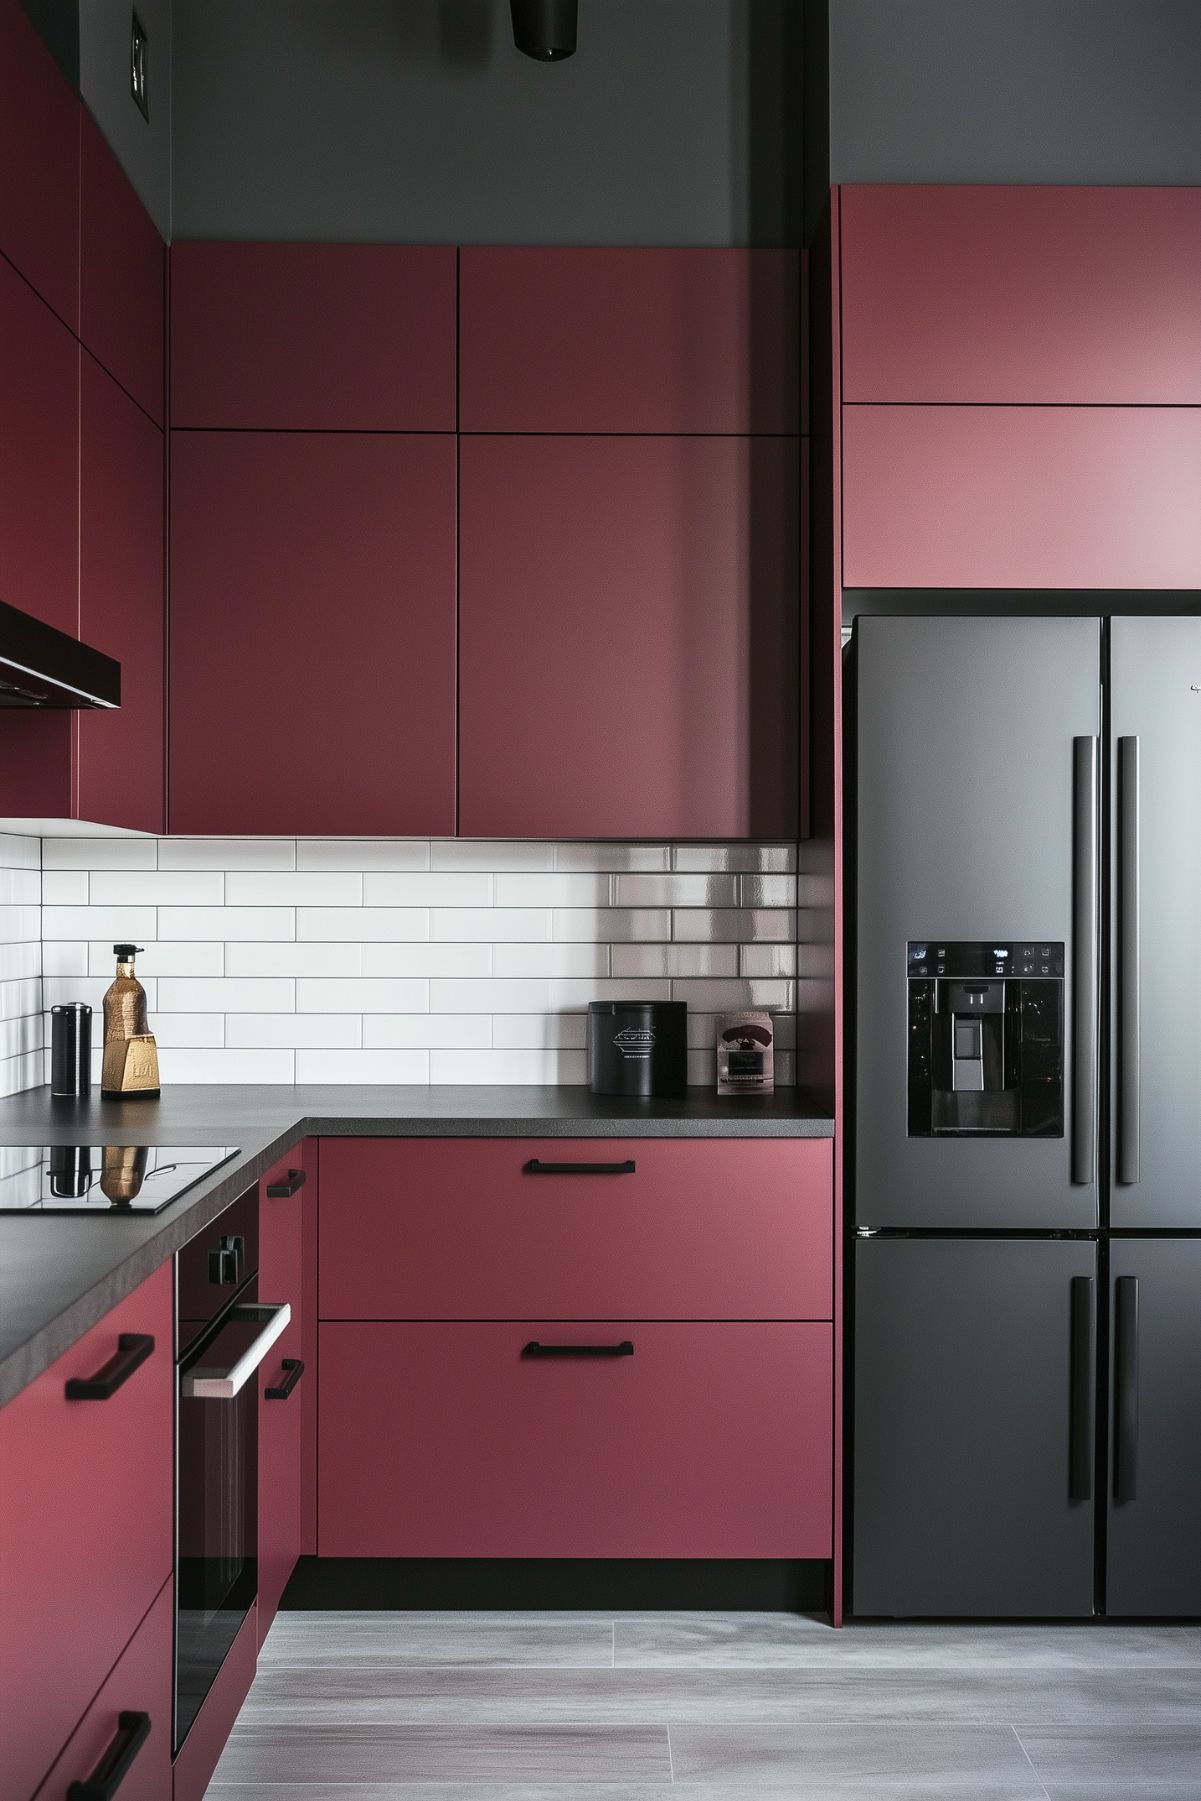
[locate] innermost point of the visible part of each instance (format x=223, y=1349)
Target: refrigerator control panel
x=989, y=957
x=986, y=1038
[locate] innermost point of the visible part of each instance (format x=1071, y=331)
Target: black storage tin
x=638, y=1048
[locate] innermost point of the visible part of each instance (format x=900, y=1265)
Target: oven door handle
x=204, y=1384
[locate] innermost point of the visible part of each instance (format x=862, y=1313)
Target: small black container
x=638, y=1048
x=70, y=1051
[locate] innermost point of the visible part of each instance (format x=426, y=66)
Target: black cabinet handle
x=133, y=1729
x=293, y=1368
x=279, y=1191
x=1125, y=1387
x=133, y=1348
x=1085, y=965
x=535, y=1167
x=534, y=1349
x=1083, y=1390
x=1129, y=983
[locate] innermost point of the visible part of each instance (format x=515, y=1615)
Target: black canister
x=70, y=1051
x=638, y=1048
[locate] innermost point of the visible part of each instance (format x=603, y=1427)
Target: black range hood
x=42, y=667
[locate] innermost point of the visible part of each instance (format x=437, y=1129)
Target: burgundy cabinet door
x=86, y=1522
x=284, y=1387
x=39, y=165
x=700, y=1229
x=1021, y=497
x=629, y=340
x=452, y=1440
x=628, y=637
x=315, y=337
x=122, y=604
x=121, y=275
x=39, y=457
x=312, y=633
x=1034, y=294
x=140, y=1684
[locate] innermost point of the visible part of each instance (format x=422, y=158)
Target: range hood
x=42, y=667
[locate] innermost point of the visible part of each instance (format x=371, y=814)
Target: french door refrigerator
x=1025, y=1160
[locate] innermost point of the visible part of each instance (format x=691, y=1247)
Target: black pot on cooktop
x=638, y=1048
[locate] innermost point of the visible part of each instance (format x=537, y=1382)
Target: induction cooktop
x=102, y=1179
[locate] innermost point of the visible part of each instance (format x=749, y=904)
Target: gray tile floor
x=725, y=1707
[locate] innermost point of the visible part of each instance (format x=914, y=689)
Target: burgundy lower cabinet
x=498, y=1439
x=511, y=1228
x=1021, y=497
x=39, y=457
x=86, y=1523
x=312, y=681
x=628, y=630
x=128, y=1726
x=286, y=1380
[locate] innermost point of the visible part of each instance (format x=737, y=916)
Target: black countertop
x=59, y=1275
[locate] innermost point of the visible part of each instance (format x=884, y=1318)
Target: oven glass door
x=216, y=1574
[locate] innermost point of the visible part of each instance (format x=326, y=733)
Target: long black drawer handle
x=534, y=1349
x=537, y=1168
x=1125, y=1358
x=1083, y=1404
x=133, y=1729
x=293, y=1368
x=279, y=1191
x=133, y=1348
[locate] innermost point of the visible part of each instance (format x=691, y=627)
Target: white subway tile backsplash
x=319, y=1031
x=380, y=994
x=226, y=994
x=295, y=888
x=386, y=925
x=395, y=960
x=172, y=888
x=550, y=960
x=407, y=1067
x=226, y=853
x=19, y=1073
x=220, y=924
x=454, y=888
x=293, y=959
x=100, y=853
x=362, y=853
x=114, y=923
x=58, y=991
x=20, y=852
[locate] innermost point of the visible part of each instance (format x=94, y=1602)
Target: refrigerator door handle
x=1082, y=1426
x=1085, y=959
x=1129, y=971
x=1125, y=1389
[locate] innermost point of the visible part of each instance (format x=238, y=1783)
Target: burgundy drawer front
x=281, y=1414
x=281, y=1232
x=1033, y=294
x=86, y=1525
x=462, y=1229
x=313, y=337
x=122, y=271
x=629, y=340
x=1021, y=497
x=131, y=1716
x=446, y=1441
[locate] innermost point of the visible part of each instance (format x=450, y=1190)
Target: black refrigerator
x=1024, y=874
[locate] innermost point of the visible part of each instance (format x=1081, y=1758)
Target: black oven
x=222, y=1336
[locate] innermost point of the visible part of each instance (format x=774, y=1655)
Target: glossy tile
x=1147, y=1763
x=348, y=1754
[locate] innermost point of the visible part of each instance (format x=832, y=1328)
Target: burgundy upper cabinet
x=39, y=165
x=1021, y=295
x=39, y=457
x=121, y=605
x=317, y=337
x=628, y=636
x=122, y=262
x=634, y=340
x=1021, y=497
x=313, y=633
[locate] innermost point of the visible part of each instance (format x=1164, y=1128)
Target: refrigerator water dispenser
x=985, y=1039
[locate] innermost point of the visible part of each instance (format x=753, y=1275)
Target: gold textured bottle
x=130, y=1065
